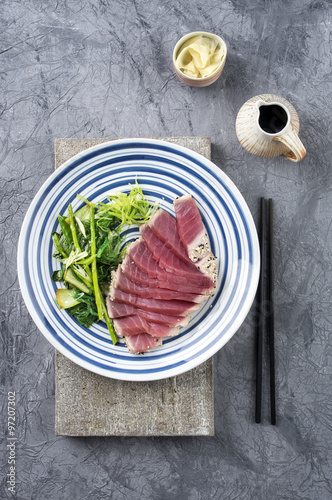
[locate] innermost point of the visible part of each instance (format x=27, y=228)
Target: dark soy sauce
x=272, y=118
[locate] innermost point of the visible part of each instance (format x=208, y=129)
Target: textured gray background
x=81, y=68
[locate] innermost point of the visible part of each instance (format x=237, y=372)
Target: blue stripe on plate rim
x=198, y=347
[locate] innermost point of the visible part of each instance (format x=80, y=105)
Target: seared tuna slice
x=117, y=310
x=163, y=254
x=141, y=343
x=166, y=275
x=120, y=280
x=143, y=258
x=165, y=228
x=171, y=263
x=134, y=273
x=170, y=237
x=201, y=285
x=191, y=228
x=209, y=266
x=171, y=307
x=133, y=325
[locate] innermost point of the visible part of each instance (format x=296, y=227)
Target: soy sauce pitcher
x=268, y=125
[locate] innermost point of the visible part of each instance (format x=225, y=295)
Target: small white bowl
x=200, y=82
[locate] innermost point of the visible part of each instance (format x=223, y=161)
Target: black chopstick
x=271, y=318
x=260, y=325
x=265, y=296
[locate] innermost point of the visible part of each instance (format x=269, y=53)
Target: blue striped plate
x=164, y=171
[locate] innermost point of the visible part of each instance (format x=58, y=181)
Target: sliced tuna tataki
x=164, y=255
x=201, y=284
x=144, y=259
x=141, y=343
x=133, y=325
x=190, y=227
x=118, y=310
x=166, y=275
x=164, y=226
x=120, y=280
x=171, y=307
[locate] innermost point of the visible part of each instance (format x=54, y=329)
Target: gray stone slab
x=87, y=404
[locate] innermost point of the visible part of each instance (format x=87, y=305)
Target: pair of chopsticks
x=265, y=325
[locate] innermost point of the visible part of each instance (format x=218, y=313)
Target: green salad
x=89, y=246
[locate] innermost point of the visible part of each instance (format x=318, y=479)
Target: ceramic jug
x=268, y=125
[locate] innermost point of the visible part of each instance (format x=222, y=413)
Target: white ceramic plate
x=164, y=171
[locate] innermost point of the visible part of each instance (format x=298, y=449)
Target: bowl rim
x=186, y=37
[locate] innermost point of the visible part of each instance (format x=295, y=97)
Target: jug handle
x=296, y=149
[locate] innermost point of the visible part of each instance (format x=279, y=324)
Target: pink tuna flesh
x=141, y=343
x=171, y=307
x=143, y=258
x=118, y=310
x=133, y=325
x=165, y=276
x=163, y=254
x=201, y=285
x=164, y=227
x=191, y=228
x=121, y=281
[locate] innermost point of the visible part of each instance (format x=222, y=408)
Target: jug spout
x=273, y=118
x=267, y=125
x=260, y=103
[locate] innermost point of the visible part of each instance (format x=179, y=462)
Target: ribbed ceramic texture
x=250, y=137
x=164, y=171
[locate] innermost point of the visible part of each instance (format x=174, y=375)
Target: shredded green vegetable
x=89, y=246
